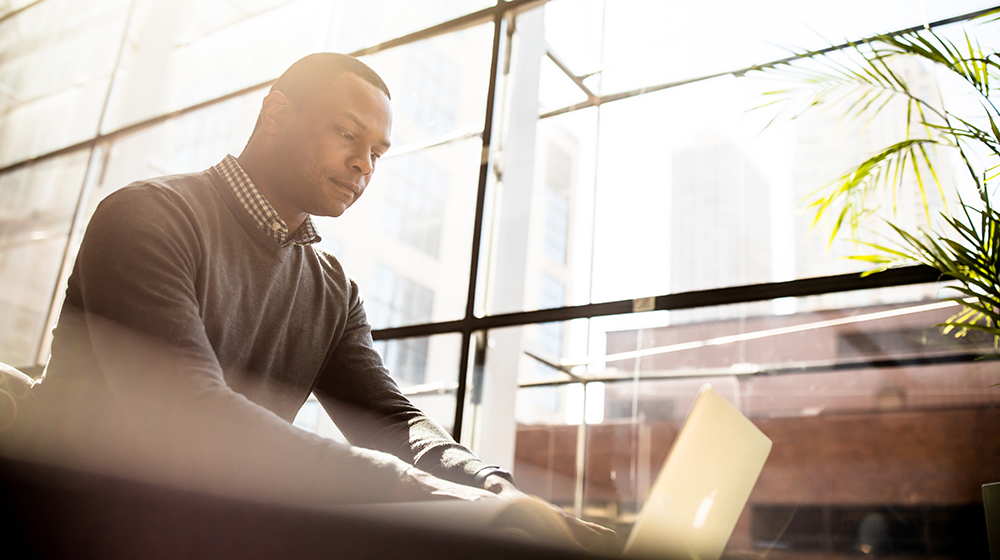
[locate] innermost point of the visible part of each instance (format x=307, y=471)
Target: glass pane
x=572, y=31
x=545, y=461
x=438, y=85
x=312, y=418
x=408, y=243
x=556, y=89
x=36, y=208
x=542, y=212
x=364, y=24
x=56, y=61
x=684, y=189
x=882, y=426
x=524, y=356
x=426, y=369
x=720, y=200
x=187, y=52
x=183, y=53
x=189, y=143
x=636, y=43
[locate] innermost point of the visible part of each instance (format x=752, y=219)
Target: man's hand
x=419, y=486
x=594, y=538
x=591, y=536
x=501, y=487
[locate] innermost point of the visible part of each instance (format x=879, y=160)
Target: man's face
x=328, y=146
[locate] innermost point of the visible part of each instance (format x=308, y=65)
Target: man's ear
x=274, y=111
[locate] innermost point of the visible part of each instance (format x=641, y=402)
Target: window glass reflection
x=407, y=242
x=56, y=61
x=438, y=85
x=545, y=212
x=416, y=198
x=637, y=43
x=426, y=370
x=187, y=52
x=36, y=208
x=363, y=24
x=684, y=189
x=191, y=142
x=879, y=421
x=183, y=53
x=556, y=89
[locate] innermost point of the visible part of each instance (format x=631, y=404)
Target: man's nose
x=362, y=162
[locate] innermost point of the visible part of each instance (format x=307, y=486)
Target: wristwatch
x=480, y=478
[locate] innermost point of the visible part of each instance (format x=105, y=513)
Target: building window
x=396, y=300
x=430, y=83
x=558, y=170
x=715, y=242
x=550, y=335
x=415, y=202
x=556, y=227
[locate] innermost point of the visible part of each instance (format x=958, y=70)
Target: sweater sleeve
x=366, y=404
x=132, y=312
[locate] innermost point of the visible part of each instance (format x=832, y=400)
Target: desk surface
x=48, y=512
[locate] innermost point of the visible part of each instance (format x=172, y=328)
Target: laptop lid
x=703, y=485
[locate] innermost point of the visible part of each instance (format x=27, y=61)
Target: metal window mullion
x=827, y=366
x=905, y=276
x=514, y=6
x=456, y=24
x=602, y=99
x=485, y=166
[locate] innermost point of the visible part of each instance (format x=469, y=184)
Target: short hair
x=304, y=79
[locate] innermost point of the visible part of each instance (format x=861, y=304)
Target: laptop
x=703, y=485
x=690, y=513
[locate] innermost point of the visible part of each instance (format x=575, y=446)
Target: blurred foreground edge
x=51, y=512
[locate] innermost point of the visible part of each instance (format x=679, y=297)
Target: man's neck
x=256, y=168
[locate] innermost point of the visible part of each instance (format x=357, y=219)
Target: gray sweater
x=189, y=339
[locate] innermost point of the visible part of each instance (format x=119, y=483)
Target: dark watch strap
x=480, y=478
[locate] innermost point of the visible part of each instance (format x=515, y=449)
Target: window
x=430, y=89
x=398, y=300
x=416, y=196
x=622, y=164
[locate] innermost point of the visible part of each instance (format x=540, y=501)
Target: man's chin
x=335, y=210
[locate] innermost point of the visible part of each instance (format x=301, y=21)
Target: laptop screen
x=703, y=485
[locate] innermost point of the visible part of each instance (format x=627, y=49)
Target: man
x=200, y=316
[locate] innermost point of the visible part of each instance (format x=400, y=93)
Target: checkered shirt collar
x=261, y=210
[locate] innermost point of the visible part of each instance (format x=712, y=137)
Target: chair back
x=15, y=388
x=991, y=503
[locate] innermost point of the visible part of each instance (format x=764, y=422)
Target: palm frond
x=881, y=170
x=862, y=84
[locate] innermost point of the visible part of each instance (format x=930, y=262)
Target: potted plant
x=863, y=82
x=964, y=243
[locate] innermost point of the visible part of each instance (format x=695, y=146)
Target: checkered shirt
x=261, y=210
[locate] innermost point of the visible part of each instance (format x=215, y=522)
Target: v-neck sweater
x=192, y=338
